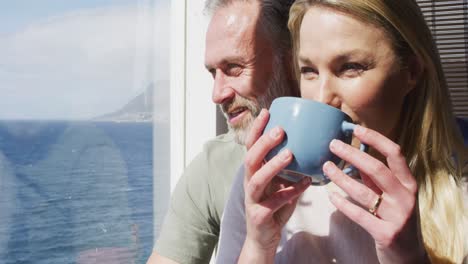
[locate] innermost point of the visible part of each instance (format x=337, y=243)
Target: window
x=448, y=21
x=84, y=126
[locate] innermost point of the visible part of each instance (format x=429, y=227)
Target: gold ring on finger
x=373, y=209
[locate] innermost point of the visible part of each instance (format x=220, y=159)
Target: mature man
x=248, y=53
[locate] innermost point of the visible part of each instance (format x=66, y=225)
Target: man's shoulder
x=222, y=147
x=206, y=181
x=221, y=156
x=223, y=140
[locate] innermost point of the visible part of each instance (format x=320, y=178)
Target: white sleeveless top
x=316, y=232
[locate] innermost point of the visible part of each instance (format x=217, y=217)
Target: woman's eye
x=353, y=67
x=308, y=72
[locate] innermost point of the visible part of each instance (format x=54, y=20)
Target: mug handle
x=348, y=127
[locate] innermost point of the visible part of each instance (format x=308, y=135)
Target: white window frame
x=192, y=113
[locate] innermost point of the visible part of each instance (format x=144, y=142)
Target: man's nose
x=222, y=91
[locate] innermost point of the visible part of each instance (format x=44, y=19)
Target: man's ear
x=415, y=71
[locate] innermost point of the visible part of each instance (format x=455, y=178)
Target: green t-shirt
x=191, y=227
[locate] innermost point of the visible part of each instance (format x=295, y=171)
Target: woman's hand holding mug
x=389, y=191
x=303, y=142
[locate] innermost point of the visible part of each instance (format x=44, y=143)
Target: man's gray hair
x=273, y=19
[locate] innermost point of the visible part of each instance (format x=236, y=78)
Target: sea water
x=76, y=192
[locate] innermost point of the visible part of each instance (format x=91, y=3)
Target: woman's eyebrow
x=356, y=53
x=304, y=59
x=346, y=55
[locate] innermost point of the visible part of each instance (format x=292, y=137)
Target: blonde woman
x=377, y=62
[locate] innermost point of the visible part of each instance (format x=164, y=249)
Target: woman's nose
x=326, y=92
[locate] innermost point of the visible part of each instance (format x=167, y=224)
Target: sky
x=79, y=59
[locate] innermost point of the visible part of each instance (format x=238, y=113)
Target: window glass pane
x=448, y=21
x=84, y=91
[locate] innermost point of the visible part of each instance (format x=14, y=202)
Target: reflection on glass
x=77, y=82
x=72, y=189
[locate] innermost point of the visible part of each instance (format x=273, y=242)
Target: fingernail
x=285, y=154
x=275, y=133
x=359, y=130
x=327, y=167
x=306, y=181
x=335, y=144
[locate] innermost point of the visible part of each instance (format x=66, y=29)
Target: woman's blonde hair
x=429, y=138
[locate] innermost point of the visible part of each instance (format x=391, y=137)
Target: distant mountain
x=140, y=108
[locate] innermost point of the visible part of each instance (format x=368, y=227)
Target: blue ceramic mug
x=309, y=128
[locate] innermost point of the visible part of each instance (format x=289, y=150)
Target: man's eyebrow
x=225, y=61
x=232, y=59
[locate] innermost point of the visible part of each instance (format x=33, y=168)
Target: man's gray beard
x=278, y=86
